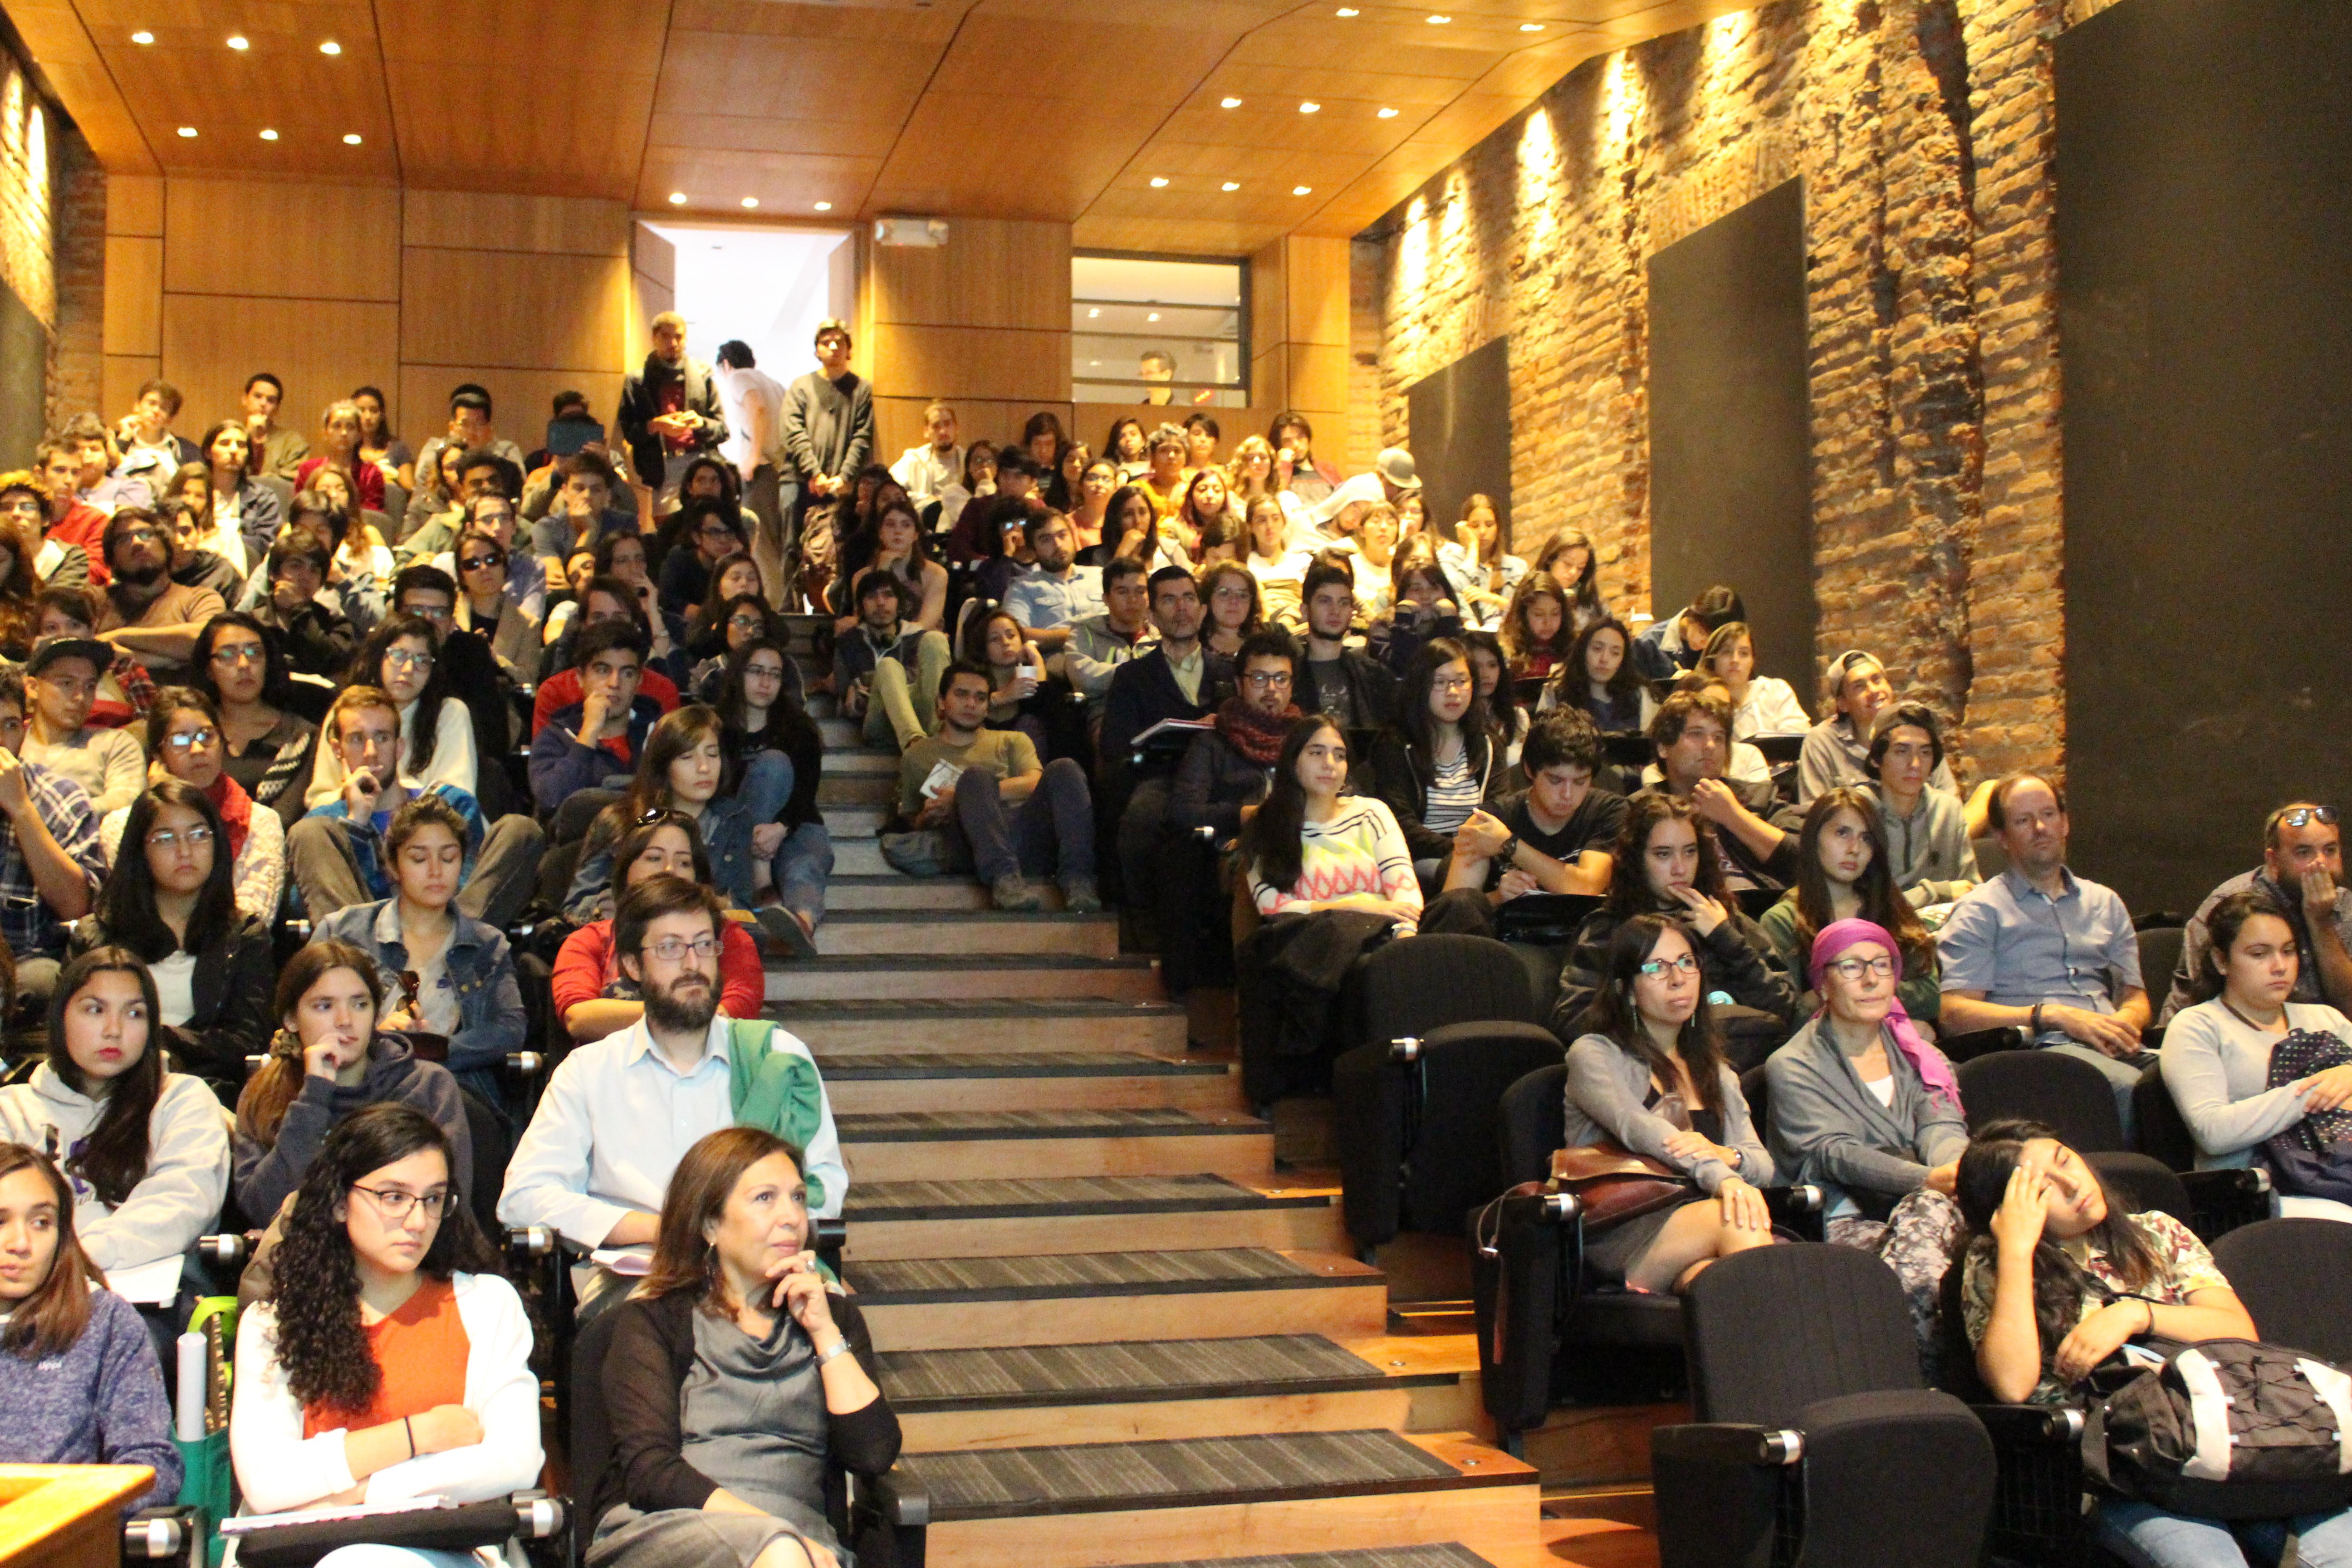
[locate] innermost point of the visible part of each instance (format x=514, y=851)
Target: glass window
x=1137, y=325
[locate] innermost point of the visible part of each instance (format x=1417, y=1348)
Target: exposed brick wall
x=27, y=186
x=1923, y=132
x=78, y=357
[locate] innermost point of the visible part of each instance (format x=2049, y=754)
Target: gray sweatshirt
x=98, y=1403
x=267, y=1173
x=828, y=426
x=1928, y=853
x=1828, y=1129
x=1606, y=1086
x=177, y=1201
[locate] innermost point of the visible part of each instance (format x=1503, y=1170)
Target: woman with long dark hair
x=328, y=1060
x=244, y=513
x=1229, y=593
x=1482, y=573
x=78, y=1375
x=781, y=755
x=436, y=728
x=389, y=1359
x=1647, y=1073
x=1507, y=721
x=1568, y=561
x=1843, y=874
x=1535, y=629
x=1760, y=704
x=783, y=1370
x=1129, y=447
x=170, y=900
x=592, y=996
x=378, y=444
x=184, y=739
x=1667, y=863
x=1435, y=764
x=269, y=746
x=895, y=545
x=1598, y=676
x=142, y=1146
x=1131, y=524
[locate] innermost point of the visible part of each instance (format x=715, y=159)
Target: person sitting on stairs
x=991, y=806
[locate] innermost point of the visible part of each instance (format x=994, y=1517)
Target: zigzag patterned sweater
x=1360, y=850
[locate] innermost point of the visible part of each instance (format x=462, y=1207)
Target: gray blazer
x=1606, y=1086
x=1828, y=1130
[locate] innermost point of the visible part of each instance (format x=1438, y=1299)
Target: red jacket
x=84, y=525
x=561, y=690
x=586, y=967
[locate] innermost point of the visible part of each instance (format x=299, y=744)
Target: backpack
x=2310, y=1159
x=2227, y=1429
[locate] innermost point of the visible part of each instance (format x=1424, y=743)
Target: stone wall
x=1923, y=132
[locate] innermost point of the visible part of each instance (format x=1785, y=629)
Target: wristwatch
x=1509, y=852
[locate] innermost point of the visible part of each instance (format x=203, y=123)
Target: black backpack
x=2226, y=1429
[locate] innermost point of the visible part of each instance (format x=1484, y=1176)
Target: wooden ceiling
x=1036, y=108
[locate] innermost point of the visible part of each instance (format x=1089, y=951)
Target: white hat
x=1394, y=464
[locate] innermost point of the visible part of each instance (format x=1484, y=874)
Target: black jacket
x=232, y=988
x=1143, y=692
x=1213, y=783
x=1374, y=689
x=317, y=639
x=1734, y=959
x=639, y=410
x=1401, y=776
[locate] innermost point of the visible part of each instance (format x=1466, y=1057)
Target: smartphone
x=567, y=436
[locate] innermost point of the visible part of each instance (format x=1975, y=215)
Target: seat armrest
x=830, y=1236
x=1727, y=1443
x=160, y=1534
x=2030, y=1425
x=1958, y=1049
x=539, y=1517
x=1797, y=1208
x=899, y=1498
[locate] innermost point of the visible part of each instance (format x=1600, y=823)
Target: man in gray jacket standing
x=829, y=436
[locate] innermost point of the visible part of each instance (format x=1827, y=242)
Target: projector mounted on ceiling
x=928, y=232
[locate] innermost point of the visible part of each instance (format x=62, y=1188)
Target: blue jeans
x=2147, y=1537
x=804, y=860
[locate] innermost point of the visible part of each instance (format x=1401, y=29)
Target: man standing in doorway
x=669, y=409
x=753, y=404
x=829, y=433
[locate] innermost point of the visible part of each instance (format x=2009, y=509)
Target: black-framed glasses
x=188, y=739
x=2302, y=816
x=1265, y=679
x=396, y=1204
x=402, y=658
x=1852, y=969
x=671, y=949
x=244, y=653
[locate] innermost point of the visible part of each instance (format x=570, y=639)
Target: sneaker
x=785, y=927
x=1013, y=895
x=922, y=852
x=1078, y=896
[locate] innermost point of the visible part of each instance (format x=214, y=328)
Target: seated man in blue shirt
x=1055, y=594
x=2041, y=949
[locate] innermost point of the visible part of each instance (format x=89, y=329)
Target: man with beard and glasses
x=620, y=1112
x=146, y=614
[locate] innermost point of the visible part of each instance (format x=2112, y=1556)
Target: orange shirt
x=421, y=1350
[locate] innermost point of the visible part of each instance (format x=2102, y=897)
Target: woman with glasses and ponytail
x=389, y=1360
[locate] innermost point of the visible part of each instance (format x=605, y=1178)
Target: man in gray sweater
x=829, y=435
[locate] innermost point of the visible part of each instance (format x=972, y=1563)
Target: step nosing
x=1050, y=1399
x=1257, y=1203
x=1091, y=1275
x=1438, y=1555
x=973, y=1132
x=1130, y=1371
x=1048, y=1197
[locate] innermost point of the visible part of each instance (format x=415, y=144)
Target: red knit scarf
x=236, y=807
x=1252, y=733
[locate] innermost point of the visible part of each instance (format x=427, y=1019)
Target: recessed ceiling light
x=352, y=137
x=143, y=37
x=331, y=48
x=1094, y=313
x=1231, y=186
x=1437, y=21
x=239, y=42
x=1151, y=315
x=1310, y=107
x=1159, y=182
x=1346, y=11
x=1387, y=114
x=1531, y=26
x=1229, y=103
x=268, y=135
x=751, y=201
x=677, y=198
x=1302, y=190
x=188, y=130
x=825, y=206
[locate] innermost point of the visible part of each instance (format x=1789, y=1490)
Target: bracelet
x=2037, y=1017
x=406, y=1426
x=839, y=1346
x=2151, y=1317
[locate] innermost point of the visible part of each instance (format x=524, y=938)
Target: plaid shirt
x=31, y=928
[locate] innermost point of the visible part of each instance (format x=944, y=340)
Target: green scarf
x=774, y=1090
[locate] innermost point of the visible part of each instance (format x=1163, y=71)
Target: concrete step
x=1081, y=1214
x=890, y=890
x=1201, y=1499
x=855, y=788
x=985, y=1026
x=860, y=761
x=857, y=855
x=1000, y=976
x=840, y=734
x=1097, y=1297
x=852, y=821
x=905, y=1081
x=938, y=934
x=946, y=1145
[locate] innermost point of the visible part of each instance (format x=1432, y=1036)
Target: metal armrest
x=1797, y=1208
x=157, y=1533
x=896, y=1497
x=2030, y=1425
x=1727, y=1442
x=539, y=1516
x=228, y=1248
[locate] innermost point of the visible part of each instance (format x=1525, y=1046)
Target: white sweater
x=279, y=1469
x=180, y=1198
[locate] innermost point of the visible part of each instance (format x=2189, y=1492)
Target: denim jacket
x=481, y=969
x=727, y=826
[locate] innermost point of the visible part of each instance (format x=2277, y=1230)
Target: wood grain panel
x=68, y=1516
x=716, y=180
x=1270, y=377
x=1269, y=300
x=964, y=151
x=973, y=362
x=55, y=35
x=990, y=273
x=134, y=295
x=522, y=398
x=134, y=204
x=1226, y=236
x=320, y=348
x=1318, y=284
x=1317, y=375
x=551, y=225
x=784, y=78
x=119, y=381
x=532, y=312
x=320, y=242
x=858, y=138
x=933, y=25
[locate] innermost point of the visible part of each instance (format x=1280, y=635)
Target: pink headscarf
x=1926, y=1060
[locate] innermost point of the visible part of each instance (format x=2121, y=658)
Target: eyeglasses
x=1686, y=964
x=745, y=623
x=2302, y=814
x=193, y=837
x=1452, y=684
x=475, y=563
x=243, y=653
x=25, y=507
x=401, y=658
x=670, y=949
x=1265, y=678
x=396, y=1204
x=187, y=738
x=1855, y=968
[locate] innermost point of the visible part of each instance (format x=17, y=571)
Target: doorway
x=767, y=287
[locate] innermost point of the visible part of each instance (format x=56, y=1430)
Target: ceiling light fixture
x=825, y=206
x=143, y=37
x=1151, y=316
x=1229, y=103
x=239, y=42
x=1159, y=182
x=331, y=48
x=1387, y=114
x=1531, y=26
x=1438, y=21
x=352, y=137
x=1346, y=11
x=677, y=198
x=188, y=130
x=1302, y=190
x=1231, y=186
x=268, y=135
x=1310, y=106
x=751, y=201
x=1091, y=314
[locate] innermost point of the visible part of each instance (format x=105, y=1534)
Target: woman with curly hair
x=389, y=1360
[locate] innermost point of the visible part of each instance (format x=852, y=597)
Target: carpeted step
x=928, y=1303
x=892, y=891
x=960, y=933
x=996, y=977
x=886, y=1146
x=890, y=1026
x=1025, y=1080
x=1080, y=1213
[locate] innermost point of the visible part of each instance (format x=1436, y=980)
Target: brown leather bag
x=1615, y=1184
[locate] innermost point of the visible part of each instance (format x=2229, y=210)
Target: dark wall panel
x=24, y=381
x=2205, y=271
x=1461, y=423
x=1730, y=495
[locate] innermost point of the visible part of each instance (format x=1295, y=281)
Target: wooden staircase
x=1116, y=1331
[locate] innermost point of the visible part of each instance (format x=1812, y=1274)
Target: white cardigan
x=279, y=1469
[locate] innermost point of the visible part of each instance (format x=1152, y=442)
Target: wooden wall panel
x=520, y=397
x=134, y=295
x=526, y=311
x=134, y=204
x=257, y=238
x=990, y=273
x=552, y=226
x=322, y=349
x=119, y=380
x=973, y=362
x=1315, y=280
x=1317, y=377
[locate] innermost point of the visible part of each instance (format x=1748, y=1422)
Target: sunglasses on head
x=2303, y=815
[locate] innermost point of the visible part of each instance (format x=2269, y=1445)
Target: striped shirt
x=1359, y=852
x=1454, y=793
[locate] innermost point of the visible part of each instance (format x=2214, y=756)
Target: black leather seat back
x=1772, y=1331
x=2290, y=1273
x=1413, y=987
x=2070, y=1096
x=1534, y=1122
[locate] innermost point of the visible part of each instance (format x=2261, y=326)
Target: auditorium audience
x=244, y=513
x=1347, y=686
x=1481, y=571
x=1837, y=750
x=592, y=996
x=1099, y=644
x=50, y=865
x=1728, y=782
x=1760, y=704
x=185, y=734
x=995, y=640
x=1647, y=1071
x=2302, y=875
x=1053, y=595
x=484, y=607
x=1536, y=628
x=378, y=444
x=709, y=533
x=149, y=447
x=402, y=657
x=1277, y=566
x=67, y=527
x=1178, y=680
x=1311, y=848
x=78, y=1374
x=1599, y=678
x=993, y=807
x=1507, y=719
x=927, y=469
x=2041, y=949
x=1842, y=872
x=1558, y=835
x=61, y=685
x=1391, y=478
x=267, y=745
x=1414, y=606
x=1930, y=850
x=604, y=733
x=605, y=598
x=1666, y=863
x=145, y=611
x=738, y=1377
x=329, y=1058
x=1674, y=643
x=2056, y=1278
x=2217, y=1055
x=339, y=454
x=1224, y=773
x=1229, y=595
x=1568, y=559
x=1867, y=1110
x=389, y=1359
x=1433, y=767
x=887, y=671
x=317, y=637
x=1377, y=530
